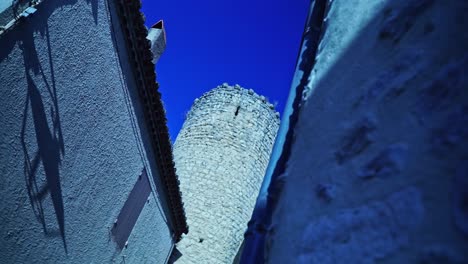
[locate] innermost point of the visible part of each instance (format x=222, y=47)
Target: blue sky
x=253, y=43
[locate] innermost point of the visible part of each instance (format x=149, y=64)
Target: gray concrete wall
x=71, y=141
x=378, y=169
x=221, y=155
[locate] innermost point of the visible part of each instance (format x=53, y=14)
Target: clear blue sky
x=253, y=43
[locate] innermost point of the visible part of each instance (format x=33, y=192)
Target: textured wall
x=221, y=154
x=378, y=169
x=70, y=144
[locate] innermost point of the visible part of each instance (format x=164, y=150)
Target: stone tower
x=221, y=155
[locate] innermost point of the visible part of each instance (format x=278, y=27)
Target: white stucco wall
x=69, y=108
x=378, y=169
x=4, y=5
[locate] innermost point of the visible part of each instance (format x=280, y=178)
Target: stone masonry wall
x=221, y=155
x=378, y=171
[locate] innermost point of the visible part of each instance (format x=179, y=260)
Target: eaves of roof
x=135, y=32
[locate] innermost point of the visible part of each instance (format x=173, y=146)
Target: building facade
x=85, y=156
x=221, y=154
x=377, y=168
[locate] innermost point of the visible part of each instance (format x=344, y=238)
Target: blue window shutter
x=131, y=210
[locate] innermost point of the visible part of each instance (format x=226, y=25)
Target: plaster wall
x=72, y=144
x=221, y=155
x=378, y=169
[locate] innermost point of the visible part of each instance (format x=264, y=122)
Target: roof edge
x=138, y=47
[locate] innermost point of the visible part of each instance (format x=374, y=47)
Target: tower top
x=231, y=90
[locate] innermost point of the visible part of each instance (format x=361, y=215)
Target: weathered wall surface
x=378, y=170
x=71, y=147
x=221, y=155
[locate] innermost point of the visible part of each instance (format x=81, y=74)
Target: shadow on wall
x=39, y=23
x=436, y=88
x=94, y=9
x=49, y=139
x=399, y=22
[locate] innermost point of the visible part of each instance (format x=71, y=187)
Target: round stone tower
x=221, y=155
